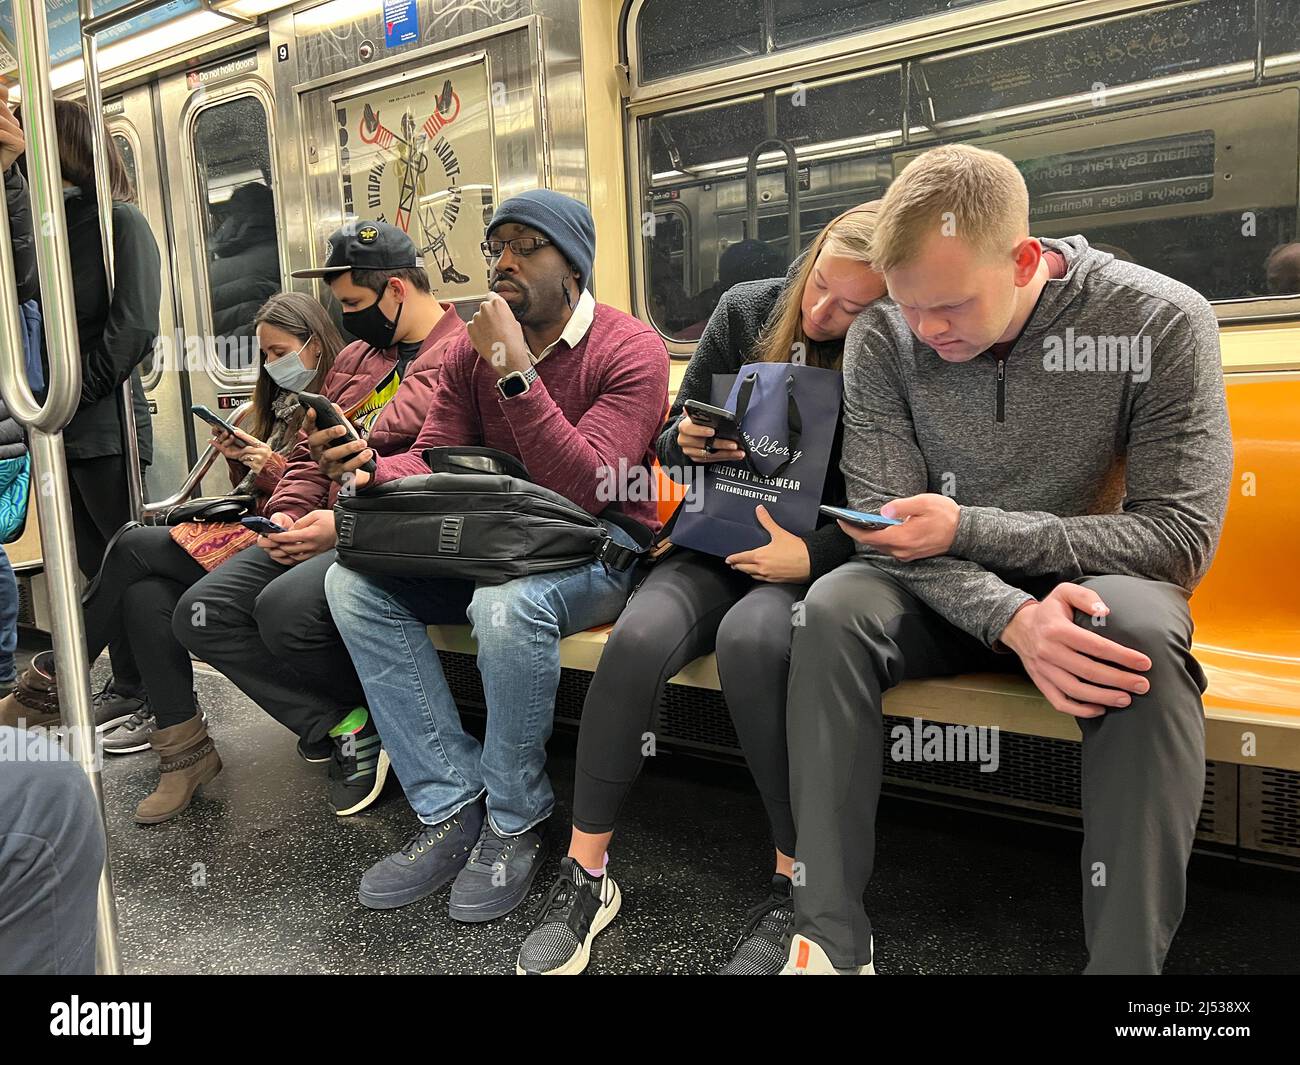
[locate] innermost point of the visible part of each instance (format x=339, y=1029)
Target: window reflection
x=233, y=157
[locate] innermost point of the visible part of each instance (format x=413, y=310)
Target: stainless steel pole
x=104, y=201
x=45, y=422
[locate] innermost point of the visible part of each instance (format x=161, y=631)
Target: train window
x=127, y=152
x=1147, y=133
x=1167, y=136
x=233, y=161
x=840, y=132
x=801, y=22
x=150, y=372
x=676, y=37
x=1282, y=37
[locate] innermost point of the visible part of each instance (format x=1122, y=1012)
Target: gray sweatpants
x=51, y=854
x=1143, y=767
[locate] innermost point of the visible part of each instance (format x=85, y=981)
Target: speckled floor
x=260, y=877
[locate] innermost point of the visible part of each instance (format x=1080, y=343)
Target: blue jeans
x=518, y=626
x=8, y=619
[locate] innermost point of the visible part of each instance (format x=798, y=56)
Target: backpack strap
x=615, y=555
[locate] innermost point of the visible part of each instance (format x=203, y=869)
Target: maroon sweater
x=596, y=404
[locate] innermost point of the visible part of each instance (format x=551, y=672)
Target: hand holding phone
x=327, y=418
x=860, y=518
x=215, y=420
x=719, y=419
x=709, y=434
x=260, y=525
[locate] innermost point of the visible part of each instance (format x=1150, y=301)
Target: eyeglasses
x=524, y=246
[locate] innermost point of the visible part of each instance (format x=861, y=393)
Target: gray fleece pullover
x=1099, y=445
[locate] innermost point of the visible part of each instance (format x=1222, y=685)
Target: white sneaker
x=808, y=959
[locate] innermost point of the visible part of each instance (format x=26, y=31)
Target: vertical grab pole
x=104, y=201
x=45, y=423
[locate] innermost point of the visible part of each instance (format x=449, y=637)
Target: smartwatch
x=517, y=383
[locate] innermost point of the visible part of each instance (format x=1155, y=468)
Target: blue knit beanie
x=561, y=218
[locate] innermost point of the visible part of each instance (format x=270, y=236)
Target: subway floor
x=259, y=876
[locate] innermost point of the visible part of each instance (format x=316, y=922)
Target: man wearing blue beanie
x=578, y=391
x=565, y=222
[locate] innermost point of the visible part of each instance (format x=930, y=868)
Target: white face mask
x=289, y=372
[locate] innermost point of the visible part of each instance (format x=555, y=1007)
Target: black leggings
x=689, y=604
x=143, y=578
x=99, y=508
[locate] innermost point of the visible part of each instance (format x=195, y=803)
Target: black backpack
x=476, y=517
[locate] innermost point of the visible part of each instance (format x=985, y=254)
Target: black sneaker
x=320, y=751
x=358, y=763
x=427, y=861
x=497, y=876
x=571, y=914
x=761, y=948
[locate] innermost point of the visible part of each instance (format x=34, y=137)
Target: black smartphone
x=721, y=421
x=200, y=411
x=327, y=417
x=260, y=525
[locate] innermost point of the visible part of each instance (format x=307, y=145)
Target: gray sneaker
x=498, y=875
x=428, y=860
x=133, y=734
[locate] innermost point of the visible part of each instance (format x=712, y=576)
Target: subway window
x=1153, y=135
x=736, y=208
x=1168, y=137
x=150, y=373
x=127, y=152
x=684, y=36
x=232, y=157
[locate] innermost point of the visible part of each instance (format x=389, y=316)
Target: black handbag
x=214, y=509
x=475, y=517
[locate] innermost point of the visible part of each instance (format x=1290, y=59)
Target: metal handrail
x=792, y=191
x=195, y=477
x=45, y=421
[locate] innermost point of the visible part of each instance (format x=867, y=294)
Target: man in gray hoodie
x=1050, y=422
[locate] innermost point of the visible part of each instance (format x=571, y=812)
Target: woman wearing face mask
x=691, y=603
x=148, y=568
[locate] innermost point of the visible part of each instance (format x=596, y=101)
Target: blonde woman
x=692, y=604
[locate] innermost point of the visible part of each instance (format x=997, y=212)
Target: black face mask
x=372, y=325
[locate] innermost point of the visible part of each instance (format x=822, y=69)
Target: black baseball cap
x=365, y=246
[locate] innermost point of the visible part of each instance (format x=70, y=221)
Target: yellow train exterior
x=1167, y=133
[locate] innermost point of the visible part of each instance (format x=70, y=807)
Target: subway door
x=130, y=120
x=225, y=215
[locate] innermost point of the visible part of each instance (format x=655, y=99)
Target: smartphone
x=859, y=518
x=327, y=417
x=721, y=421
x=260, y=525
x=200, y=411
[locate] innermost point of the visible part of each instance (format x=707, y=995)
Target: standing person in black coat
x=116, y=335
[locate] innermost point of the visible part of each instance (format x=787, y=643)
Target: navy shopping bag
x=787, y=414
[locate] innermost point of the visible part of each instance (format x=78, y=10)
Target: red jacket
x=354, y=375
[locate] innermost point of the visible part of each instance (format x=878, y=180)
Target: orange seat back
x=1250, y=599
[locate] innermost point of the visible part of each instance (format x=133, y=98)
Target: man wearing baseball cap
x=577, y=390
x=265, y=623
